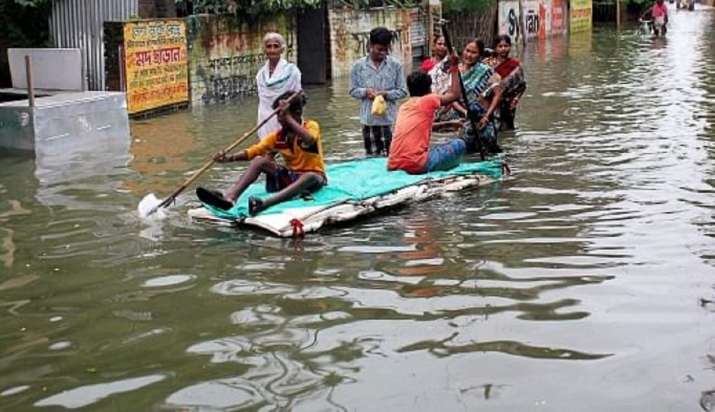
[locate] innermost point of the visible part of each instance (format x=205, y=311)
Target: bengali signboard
x=155, y=64
x=509, y=19
x=534, y=22
x=581, y=18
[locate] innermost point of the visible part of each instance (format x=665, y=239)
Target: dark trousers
x=381, y=136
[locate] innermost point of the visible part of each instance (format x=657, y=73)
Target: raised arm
x=455, y=90
x=305, y=136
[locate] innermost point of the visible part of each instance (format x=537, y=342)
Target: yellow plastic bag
x=379, y=107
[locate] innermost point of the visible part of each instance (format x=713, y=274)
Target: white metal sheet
x=52, y=69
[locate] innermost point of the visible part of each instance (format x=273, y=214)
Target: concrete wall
x=225, y=55
x=350, y=30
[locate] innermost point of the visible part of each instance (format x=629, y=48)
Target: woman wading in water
x=513, y=80
x=483, y=93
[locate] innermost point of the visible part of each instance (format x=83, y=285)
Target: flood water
x=583, y=282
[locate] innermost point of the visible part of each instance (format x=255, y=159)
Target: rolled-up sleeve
x=263, y=147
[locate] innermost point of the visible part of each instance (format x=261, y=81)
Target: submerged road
x=584, y=282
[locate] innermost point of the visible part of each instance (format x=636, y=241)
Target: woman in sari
x=276, y=77
x=513, y=80
x=483, y=94
x=439, y=54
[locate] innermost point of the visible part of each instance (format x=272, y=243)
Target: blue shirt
x=387, y=77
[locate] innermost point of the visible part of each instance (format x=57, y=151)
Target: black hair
x=419, y=84
x=380, y=35
x=479, y=43
x=502, y=38
x=295, y=105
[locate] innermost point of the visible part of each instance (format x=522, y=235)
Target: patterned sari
x=478, y=82
x=513, y=84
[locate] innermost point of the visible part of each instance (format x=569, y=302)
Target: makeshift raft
x=354, y=189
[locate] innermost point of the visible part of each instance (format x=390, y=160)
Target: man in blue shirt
x=378, y=74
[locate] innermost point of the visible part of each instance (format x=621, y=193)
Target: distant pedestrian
x=274, y=79
x=377, y=76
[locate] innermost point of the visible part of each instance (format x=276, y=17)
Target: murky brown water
x=584, y=283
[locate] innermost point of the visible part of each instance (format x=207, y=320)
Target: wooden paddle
x=147, y=206
x=465, y=99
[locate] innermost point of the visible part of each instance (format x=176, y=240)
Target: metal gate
x=79, y=24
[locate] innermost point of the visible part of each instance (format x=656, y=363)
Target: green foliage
x=366, y=4
x=24, y=23
x=32, y=3
x=251, y=7
x=272, y=7
x=461, y=6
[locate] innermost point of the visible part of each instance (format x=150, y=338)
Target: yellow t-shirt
x=298, y=157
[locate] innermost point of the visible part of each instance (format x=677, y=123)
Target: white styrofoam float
x=295, y=221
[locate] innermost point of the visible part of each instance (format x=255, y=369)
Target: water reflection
x=591, y=267
x=89, y=394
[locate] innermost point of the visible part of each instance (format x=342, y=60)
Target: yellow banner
x=581, y=16
x=155, y=64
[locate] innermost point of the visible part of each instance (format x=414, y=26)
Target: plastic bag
x=379, y=107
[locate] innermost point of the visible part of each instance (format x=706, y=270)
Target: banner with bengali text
x=581, y=16
x=155, y=64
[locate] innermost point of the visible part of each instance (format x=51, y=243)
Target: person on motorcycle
x=659, y=12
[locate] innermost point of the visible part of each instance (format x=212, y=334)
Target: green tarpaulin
x=355, y=180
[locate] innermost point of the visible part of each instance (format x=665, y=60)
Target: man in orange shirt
x=410, y=149
x=297, y=141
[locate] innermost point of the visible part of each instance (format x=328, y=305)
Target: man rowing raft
x=298, y=141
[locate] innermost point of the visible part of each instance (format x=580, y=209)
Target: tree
x=465, y=6
x=23, y=23
x=251, y=7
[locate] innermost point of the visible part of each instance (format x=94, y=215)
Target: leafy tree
x=24, y=23
x=465, y=6
x=268, y=7
x=251, y=7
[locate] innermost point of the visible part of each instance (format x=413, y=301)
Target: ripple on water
x=14, y=390
x=167, y=280
x=376, y=275
x=239, y=287
x=89, y=394
x=60, y=345
x=222, y=394
x=377, y=249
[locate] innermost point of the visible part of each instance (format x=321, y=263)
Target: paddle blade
x=148, y=206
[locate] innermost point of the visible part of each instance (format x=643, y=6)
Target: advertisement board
x=155, y=64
